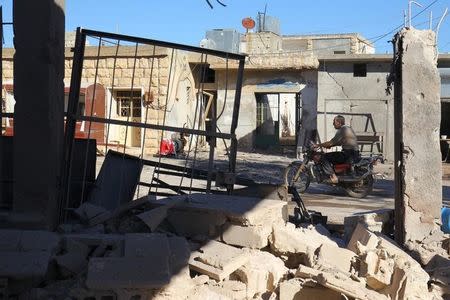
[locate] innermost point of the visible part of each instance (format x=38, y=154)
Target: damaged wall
x=267, y=81
x=418, y=170
x=342, y=91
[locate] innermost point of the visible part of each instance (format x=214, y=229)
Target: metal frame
x=73, y=117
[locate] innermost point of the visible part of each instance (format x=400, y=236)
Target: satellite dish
x=248, y=23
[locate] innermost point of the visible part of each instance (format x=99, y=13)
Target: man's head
x=338, y=121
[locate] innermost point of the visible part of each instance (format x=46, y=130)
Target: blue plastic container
x=445, y=214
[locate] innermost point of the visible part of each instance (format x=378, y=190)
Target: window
x=339, y=52
x=128, y=103
x=359, y=70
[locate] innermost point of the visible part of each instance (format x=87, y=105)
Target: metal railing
x=171, y=78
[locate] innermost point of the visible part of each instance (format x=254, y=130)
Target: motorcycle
x=355, y=178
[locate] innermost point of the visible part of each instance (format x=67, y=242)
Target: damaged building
x=70, y=231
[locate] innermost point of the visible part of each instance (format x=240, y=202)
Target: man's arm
x=335, y=141
x=327, y=145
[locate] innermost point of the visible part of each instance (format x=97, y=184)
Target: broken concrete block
x=217, y=260
x=306, y=272
x=364, y=237
x=239, y=210
x=96, y=239
x=231, y=289
x=146, y=245
x=34, y=240
x=348, y=287
x=293, y=290
x=179, y=254
x=131, y=272
x=287, y=239
x=409, y=280
x=204, y=292
x=88, y=211
x=24, y=265
x=254, y=237
x=330, y=256
x=121, y=210
x=73, y=261
x=381, y=220
x=152, y=218
x=377, y=270
x=206, y=224
x=261, y=273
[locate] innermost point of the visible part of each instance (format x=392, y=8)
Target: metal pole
x=74, y=95
x=234, y=122
x=410, y=11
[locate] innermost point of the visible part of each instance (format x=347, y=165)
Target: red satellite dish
x=248, y=23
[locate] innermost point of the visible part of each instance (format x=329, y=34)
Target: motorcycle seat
x=339, y=168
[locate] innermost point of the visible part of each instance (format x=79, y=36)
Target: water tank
x=266, y=23
x=227, y=40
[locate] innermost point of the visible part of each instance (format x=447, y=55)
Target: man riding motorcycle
x=345, y=137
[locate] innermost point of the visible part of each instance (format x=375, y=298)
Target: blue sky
x=185, y=21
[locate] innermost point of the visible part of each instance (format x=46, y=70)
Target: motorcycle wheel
x=360, y=189
x=303, y=181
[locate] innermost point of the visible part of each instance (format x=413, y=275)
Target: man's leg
x=328, y=160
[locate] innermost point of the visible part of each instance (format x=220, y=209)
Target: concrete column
x=418, y=172
x=39, y=110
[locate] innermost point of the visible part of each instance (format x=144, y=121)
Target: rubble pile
x=213, y=247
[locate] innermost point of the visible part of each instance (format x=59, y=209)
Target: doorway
x=128, y=106
x=276, y=119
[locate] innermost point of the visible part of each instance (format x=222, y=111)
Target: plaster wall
x=304, y=82
x=341, y=92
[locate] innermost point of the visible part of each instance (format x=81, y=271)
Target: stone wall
x=101, y=67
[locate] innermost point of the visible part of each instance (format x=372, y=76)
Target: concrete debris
x=362, y=240
x=328, y=256
x=206, y=224
x=88, y=211
x=293, y=289
x=74, y=258
x=262, y=273
x=217, y=260
x=348, y=287
x=195, y=247
x=26, y=254
x=381, y=221
x=254, y=237
x=239, y=210
x=291, y=242
x=377, y=269
x=231, y=289
x=152, y=218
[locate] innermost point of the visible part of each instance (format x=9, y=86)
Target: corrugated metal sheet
x=224, y=40
x=267, y=23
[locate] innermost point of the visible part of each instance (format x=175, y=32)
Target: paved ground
x=331, y=201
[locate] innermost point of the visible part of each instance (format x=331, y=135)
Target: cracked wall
x=341, y=92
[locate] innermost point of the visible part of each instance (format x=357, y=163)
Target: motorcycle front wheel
x=301, y=183
x=360, y=189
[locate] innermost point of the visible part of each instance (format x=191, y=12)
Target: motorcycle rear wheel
x=303, y=180
x=361, y=189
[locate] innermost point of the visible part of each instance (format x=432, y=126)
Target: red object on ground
x=166, y=147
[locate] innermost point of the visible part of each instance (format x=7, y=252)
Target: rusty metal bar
x=115, y=36
x=154, y=126
x=72, y=106
x=234, y=122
